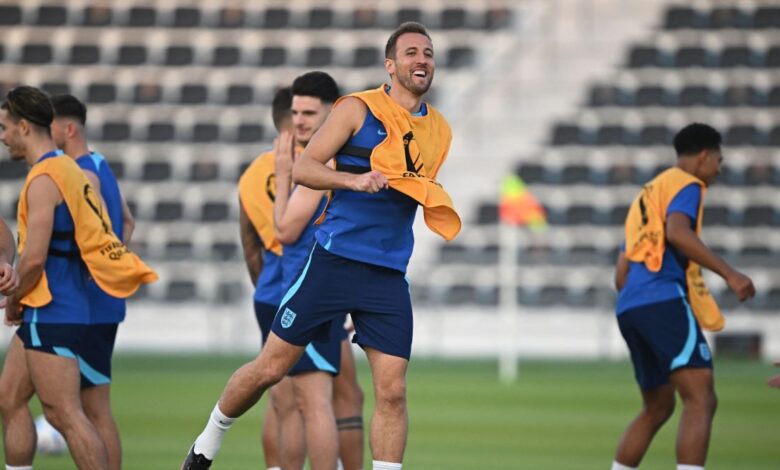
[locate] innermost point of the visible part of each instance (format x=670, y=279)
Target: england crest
x=288, y=317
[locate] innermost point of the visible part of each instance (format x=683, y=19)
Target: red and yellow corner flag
x=519, y=207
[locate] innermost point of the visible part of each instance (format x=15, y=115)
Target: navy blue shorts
x=330, y=286
x=95, y=352
x=62, y=339
x=323, y=356
x=662, y=338
x=264, y=314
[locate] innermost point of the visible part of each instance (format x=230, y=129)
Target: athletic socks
x=689, y=467
x=620, y=466
x=274, y=468
x=23, y=467
x=379, y=465
x=210, y=440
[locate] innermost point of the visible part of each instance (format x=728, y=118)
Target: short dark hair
x=280, y=106
x=318, y=85
x=408, y=27
x=30, y=103
x=66, y=105
x=696, y=137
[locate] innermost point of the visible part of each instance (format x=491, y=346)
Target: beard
x=408, y=82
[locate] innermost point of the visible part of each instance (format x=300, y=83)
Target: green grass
x=559, y=415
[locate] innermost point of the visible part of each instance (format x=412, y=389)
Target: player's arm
x=42, y=198
x=8, y=279
x=251, y=244
x=292, y=210
x=680, y=235
x=621, y=271
x=129, y=220
x=311, y=170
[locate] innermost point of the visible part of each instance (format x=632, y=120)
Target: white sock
x=274, y=468
x=379, y=465
x=620, y=466
x=339, y=465
x=23, y=467
x=210, y=440
x=689, y=467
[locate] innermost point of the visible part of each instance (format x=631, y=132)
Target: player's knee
x=660, y=412
x=392, y=395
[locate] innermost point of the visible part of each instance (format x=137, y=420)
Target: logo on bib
x=704, y=351
x=288, y=317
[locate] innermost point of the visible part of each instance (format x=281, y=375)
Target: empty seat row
x=166, y=131
x=685, y=17
x=691, y=95
x=626, y=173
x=587, y=214
x=179, y=290
x=573, y=134
x=697, y=56
x=220, y=56
x=176, y=210
x=321, y=17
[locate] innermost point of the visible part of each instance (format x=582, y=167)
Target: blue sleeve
x=87, y=163
x=687, y=202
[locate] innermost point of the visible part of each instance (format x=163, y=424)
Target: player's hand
x=284, y=151
x=8, y=279
x=371, y=182
x=741, y=285
x=13, y=311
x=775, y=381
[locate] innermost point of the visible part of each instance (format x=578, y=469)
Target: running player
x=106, y=312
x=663, y=302
x=64, y=237
x=383, y=138
x=283, y=447
x=8, y=279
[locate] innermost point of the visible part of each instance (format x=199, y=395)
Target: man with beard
x=388, y=145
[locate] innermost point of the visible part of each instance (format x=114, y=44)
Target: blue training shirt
x=371, y=228
x=644, y=287
x=66, y=273
x=104, y=308
x=268, y=289
x=295, y=255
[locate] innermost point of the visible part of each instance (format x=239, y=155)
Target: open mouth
x=420, y=73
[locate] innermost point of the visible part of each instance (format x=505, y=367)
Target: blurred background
x=580, y=98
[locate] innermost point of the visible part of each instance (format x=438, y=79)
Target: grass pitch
x=559, y=415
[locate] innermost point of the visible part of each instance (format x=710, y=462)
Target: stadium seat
x=320, y=18
x=215, y=211
x=204, y=171
x=487, y=214
x=160, y=132
x=224, y=250
x=96, y=16
x=716, y=215
x=766, y=17
x=204, y=132
x=147, y=93
x=365, y=17
x=186, y=17
x=319, y=56
x=696, y=95
x=239, y=95
x=231, y=17
x=51, y=15
x=566, y=134
x=531, y=173
x=655, y=135
x=692, y=56
x=156, y=171
x=166, y=211
x=118, y=167
x=55, y=88
x=101, y=93
x=728, y=17
x=453, y=18
x=10, y=15
x=141, y=17
x=273, y=56
x=644, y=56
x=193, y=93
x=36, y=54
x=772, y=58
x=115, y=131
x=132, y=55
x=497, y=18
x=178, y=249
x=277, y=18
x=737, y=56
x=365, y=56
x=759, y=216
x=181, y=291
x=84, y=54
x=225, y=56
x=11, y=170
x=249, y=133
x=680, y=17
x=227, y=292
x=179, y=55
x=459, y=57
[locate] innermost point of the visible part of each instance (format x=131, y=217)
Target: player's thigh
x=346, y=381
x=694, y=383
x=313, y=390
x=283, y=398
x=16, y=387
x=388, y=373
x=55, y=378
x=96, y=400
x=277, y=357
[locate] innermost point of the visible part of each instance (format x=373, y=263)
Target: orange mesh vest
x=116, y=270
x=257, y=192
x=411, y=155
x=646, y=239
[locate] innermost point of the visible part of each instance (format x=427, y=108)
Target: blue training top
x=269, y=284
x=66, y=273
x=644, y=287
x=105, y=308
x=294, y=255
x=371, y=228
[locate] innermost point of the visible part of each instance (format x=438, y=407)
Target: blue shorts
x=61, y=339
x=95, y=352
x=264, y=314
x=330, y=286
x=323, y=356
x=663, y=337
